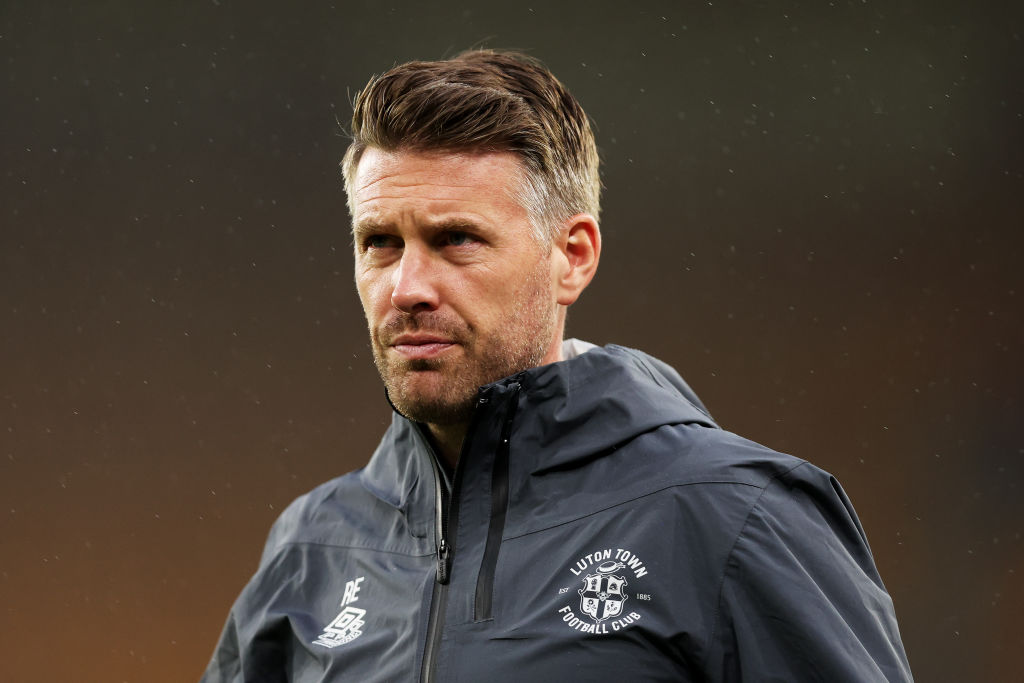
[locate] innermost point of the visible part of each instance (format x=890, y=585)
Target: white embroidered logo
x=603, y=596
x=348, y=625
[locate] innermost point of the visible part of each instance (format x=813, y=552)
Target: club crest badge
x=602, y=595
x=608, y=580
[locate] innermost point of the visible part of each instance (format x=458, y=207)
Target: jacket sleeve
x=801, y=599
x=234, y=658
x=225, y=665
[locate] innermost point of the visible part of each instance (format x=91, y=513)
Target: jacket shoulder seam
x=732, y=549
x=350, y=546
x=726, y=482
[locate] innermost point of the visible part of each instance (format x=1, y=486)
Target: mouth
x=421, y=346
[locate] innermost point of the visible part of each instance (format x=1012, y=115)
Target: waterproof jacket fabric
x=599, y=526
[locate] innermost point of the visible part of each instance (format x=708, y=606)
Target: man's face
x=456, y=289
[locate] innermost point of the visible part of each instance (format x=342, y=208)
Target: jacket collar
x=569, y=413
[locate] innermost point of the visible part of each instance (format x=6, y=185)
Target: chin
x=436, y=412
x=431, y=398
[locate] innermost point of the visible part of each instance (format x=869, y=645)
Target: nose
x=415, y=286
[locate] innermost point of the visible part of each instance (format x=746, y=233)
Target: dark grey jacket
x=599, y=527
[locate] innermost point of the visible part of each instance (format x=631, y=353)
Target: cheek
x=374, y=296
x=493, y=304
x=482, y=297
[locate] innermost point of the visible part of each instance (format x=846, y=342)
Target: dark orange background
x=813, y=210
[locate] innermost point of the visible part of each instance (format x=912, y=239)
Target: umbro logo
x=348, y=625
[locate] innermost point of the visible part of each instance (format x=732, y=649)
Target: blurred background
x=813, y=211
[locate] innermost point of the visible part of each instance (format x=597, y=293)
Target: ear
x=577, y=249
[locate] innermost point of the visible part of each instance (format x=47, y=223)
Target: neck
x=447, y=441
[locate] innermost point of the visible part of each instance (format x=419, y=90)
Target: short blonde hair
x=487, y=101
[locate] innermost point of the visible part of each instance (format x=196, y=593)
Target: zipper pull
x=444, y=561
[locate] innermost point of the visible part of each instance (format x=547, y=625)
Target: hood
x=568, y=413
x=579, y=409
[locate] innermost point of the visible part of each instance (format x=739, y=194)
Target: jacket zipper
x=482, y=604
x=439, y=595
x=447, y=512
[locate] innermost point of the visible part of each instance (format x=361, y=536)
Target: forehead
x=484, y=183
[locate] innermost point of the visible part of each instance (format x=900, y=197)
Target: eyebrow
x=371, y=225
x=365, y=226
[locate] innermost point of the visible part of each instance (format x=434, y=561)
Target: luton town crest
x=602, y=595
x=602, y=605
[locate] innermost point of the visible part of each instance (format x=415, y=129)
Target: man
x=538, y=510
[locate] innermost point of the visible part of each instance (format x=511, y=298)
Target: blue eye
x=378, y=241
x=457, y=239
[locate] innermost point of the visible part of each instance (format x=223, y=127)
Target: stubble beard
x=443, y=391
